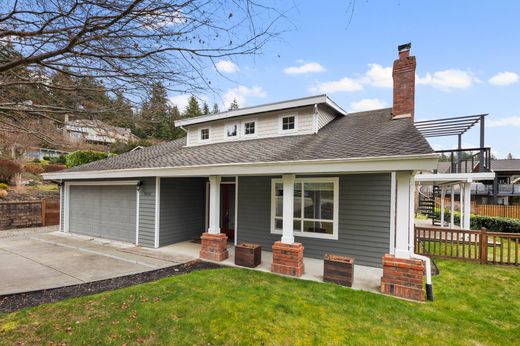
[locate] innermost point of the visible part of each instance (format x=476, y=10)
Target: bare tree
x=128, y=44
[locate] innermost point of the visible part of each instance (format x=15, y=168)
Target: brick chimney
x=403, y=74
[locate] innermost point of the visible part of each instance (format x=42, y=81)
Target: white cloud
x=226, y=66
x=241, y=93
x=181, y=101
x=504, y=78
x=448, y=79
x=378, y=76
x=344, y=84
x=507, y=121
x=366, y=105
x=310, y=67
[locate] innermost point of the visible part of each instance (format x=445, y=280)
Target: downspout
x=428, y=265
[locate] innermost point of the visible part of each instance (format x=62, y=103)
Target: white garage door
x=103, y=211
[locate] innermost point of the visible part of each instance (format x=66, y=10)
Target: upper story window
x=232, y=131
x=250, y=128
x=204, y=134
x=288, y=123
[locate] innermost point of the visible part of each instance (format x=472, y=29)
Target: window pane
x=318, y=227
x=249, y=128
x=297, y=225
x=319, y=201
x=278, y=199
x=204, y=134
x=288, y=123
x=231, y=130
x=278, y=223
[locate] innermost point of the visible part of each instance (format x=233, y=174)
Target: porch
x=365, y=278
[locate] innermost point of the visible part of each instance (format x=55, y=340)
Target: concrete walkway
x=33, y=260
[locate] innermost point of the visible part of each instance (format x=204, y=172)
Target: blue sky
x=468, y=61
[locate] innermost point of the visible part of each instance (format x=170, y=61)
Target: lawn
x=474, y=305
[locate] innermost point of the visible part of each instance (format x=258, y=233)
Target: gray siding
x=364, y=218
x=182, y=209
x=147, y=212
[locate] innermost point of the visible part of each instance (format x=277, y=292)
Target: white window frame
x=226, y=132
x=299, y=233
x=200, y=134
x=243, y=128
x=280, y=123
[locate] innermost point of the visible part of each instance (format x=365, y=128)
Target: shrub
x=8, y=169
x=34, y=168
x=81, y=157
x=3, y=186
x=491, y=223
x=53, y=167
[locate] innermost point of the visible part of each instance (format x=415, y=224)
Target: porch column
x=452, y=207
x=404, y=215
x=288, y=255
x=213, y=243
x=443, y=196
x=214, y=204
x=461, y=206
x=467, y=205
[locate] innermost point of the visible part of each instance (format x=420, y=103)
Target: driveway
x=45, y=258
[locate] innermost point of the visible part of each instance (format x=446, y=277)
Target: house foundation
x=214, y=246
x=403, y=277
x=287, y=259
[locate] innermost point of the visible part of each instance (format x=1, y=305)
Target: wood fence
x=512, y=211
x=479, y=246
x=21, y=214
x=50, y=212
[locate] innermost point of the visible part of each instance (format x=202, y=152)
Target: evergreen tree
x=155, y=117
x=215, y=109
x=509, y=156
x=193, y=108
x=233, y=105
x=205, y=108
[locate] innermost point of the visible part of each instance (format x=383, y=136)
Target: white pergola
x=449, y=181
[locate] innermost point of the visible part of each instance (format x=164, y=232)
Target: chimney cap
x=404, y=47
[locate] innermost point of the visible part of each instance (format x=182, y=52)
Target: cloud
x=226, y=66
x=378, y=76
x=344, y=84
x=504, y=78
x=241, y=93
x=448, y=80
x=366, y=105
x=513, y=121
x=310, y=67
x=181, y=101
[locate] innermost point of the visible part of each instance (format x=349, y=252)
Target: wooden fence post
x=483, y=246
x=43, y=206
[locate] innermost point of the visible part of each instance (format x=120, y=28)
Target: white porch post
x=467, y=205
x=404, y=214
x=288, y=209
x=214, y=204
x=452, y=206
x=443, y=196
x=461, y=206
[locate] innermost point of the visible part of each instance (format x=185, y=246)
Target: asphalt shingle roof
x=363, y=134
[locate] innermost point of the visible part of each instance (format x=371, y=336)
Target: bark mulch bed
x=17, y=301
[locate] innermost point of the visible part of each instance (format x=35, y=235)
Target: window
x=249, y=128
x=288, y=123
x=204, y=134
x=315, y=207
x=231, y=130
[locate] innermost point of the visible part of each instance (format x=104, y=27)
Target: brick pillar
x=287, y=259
x=214, y=246
x=403, y=277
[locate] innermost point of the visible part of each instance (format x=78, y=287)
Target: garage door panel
x=103, y=211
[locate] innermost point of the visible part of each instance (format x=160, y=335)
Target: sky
x=468, y=62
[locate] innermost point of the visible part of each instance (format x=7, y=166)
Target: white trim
x=393, y=187
x=214, y=204
x=157, y=211
x=452, y=206
x=243, y=128
x=105, y=182
x=295, y=103
x=339, y=165
x=280, y=123
x=235, y=137
x=200, y=139
x=236, y=210
x=137, y=206
x=335, y=220
x=454, y=177
x=62, y=192
x=67, y=207
x=443, y=196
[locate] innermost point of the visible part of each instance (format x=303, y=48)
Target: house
x=97, y=132
x=41, y=153
x=300, y=177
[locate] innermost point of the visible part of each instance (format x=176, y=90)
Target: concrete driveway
x=43, y=259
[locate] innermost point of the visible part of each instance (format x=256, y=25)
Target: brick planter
x=287, y=259
x=248, y=255
x=214, y=247
x=403, y=277
x=338, y=269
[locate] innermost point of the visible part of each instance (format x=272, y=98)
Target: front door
x=227, y=210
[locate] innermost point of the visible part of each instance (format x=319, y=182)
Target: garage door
x=103, y=211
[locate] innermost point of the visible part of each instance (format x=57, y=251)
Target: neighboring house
x=283, y=174
x=97, y=132
x=40, y=153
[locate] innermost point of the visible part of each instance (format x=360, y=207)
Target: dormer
x=288, y=118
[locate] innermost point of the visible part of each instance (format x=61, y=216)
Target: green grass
x=474, y=305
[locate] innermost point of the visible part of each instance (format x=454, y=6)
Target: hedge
x=81, y=157
x=8, y=169
x=491, y=223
